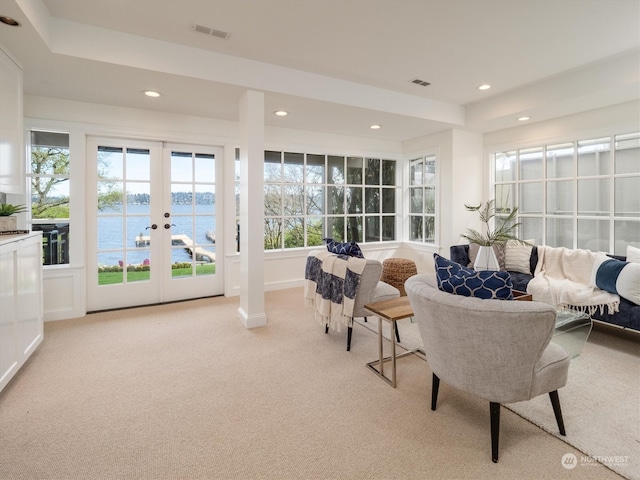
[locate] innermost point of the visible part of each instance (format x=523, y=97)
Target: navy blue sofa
x=628, y=315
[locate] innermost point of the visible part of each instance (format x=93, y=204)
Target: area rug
x=600, y=403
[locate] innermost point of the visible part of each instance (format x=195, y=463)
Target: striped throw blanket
x=331, y=284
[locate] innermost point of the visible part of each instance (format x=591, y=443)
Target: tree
x=49, y=161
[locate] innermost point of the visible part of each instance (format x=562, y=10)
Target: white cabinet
x=12, y=165
x=21, y=320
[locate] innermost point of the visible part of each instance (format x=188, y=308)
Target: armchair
x=370, y=289
x=499, y=350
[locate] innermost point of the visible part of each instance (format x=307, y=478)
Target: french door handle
x=167, y=226
x=153, y=227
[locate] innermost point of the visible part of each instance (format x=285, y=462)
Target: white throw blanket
x=563, y=278
x=331, y=284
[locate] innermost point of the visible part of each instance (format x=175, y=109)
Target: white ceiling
x=336, y=65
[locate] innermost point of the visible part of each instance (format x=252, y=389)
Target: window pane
x=628, y=153
x=49, y=197
x=416, y=200
x=293, y=200
x=315, y=229
x=315, y=200
x=594, y=157
x=505, y=198
x=205, y=168
x=315, y=169
x=110, y=197
x=429, y=229
x=272, y=167
x=335, y=200
x=372, y=200
x=181, y=166
x=372, y=172
x=429, y=200
x=625, y=232
x=388, y=200
x=336, y=170
x=293, y=167
x=531, y=227
x=372, y=229
x=560, y=161
x=272, y=200
x=559, y=232
x=416, y=172
x=55, y=242
x=138, y=165
x=272, y=233
x=531, y=199
x=354, y=199
x=293, y=232
x=354, y=170
x=531, y=163
x=560, y=198
x=593, y=234
x=593, y=196
x=388, y=228
x=388, y=172
x=354, y=229
x=430, y=171
x=627, y=197
x=505, y=166
x=415, y=228
x=337, y=228
x=110, y=163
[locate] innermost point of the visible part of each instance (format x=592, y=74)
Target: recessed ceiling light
x=281, y=113
x=484, y=86
x=151, y=93
x=523, y=119
x=375, y=127
x=9, y=21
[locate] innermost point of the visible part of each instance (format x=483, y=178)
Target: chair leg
x=435, y=385
x=349, y=332
x=365, y=319
x=555, y=402
x=494, y=409
x=395, y=324
x=326, y=328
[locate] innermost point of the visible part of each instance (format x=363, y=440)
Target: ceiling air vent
x=210, y=31
x=422, y=83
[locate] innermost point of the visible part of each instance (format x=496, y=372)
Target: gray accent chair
x=370, y=290
x=498, y=350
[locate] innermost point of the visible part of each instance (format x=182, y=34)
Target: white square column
x=251, y=312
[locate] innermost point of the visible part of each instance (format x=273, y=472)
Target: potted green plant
x=504, y=231
x=7, y=221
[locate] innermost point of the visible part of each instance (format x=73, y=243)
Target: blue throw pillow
x=454, y=278
x=343, y=248
x=617, y=276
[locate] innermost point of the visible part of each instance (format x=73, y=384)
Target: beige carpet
x=184, y=391
x=600, y=403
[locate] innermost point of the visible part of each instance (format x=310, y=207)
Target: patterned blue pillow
x=454, y=278
x=348, y=248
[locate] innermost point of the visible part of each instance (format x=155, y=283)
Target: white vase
x=8, y=223
x=486, y=259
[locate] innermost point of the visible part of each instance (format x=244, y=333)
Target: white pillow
x=517, y=256
x=633, y=254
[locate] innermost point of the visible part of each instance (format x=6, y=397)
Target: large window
x=581, y=194
x=308, y=197
x=49, y=179
x=422, y=199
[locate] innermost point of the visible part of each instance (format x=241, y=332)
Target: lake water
x=111, y=230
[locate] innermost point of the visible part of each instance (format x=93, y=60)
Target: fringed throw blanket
x=331, y=284
x=563, y=279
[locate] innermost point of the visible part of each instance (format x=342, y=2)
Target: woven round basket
x=396, y=271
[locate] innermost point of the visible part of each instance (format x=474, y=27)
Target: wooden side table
x=391, y=311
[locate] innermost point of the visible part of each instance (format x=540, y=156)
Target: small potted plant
x=7, y=221
x=504, y=232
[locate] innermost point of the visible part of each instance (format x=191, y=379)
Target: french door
x=152, y=233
